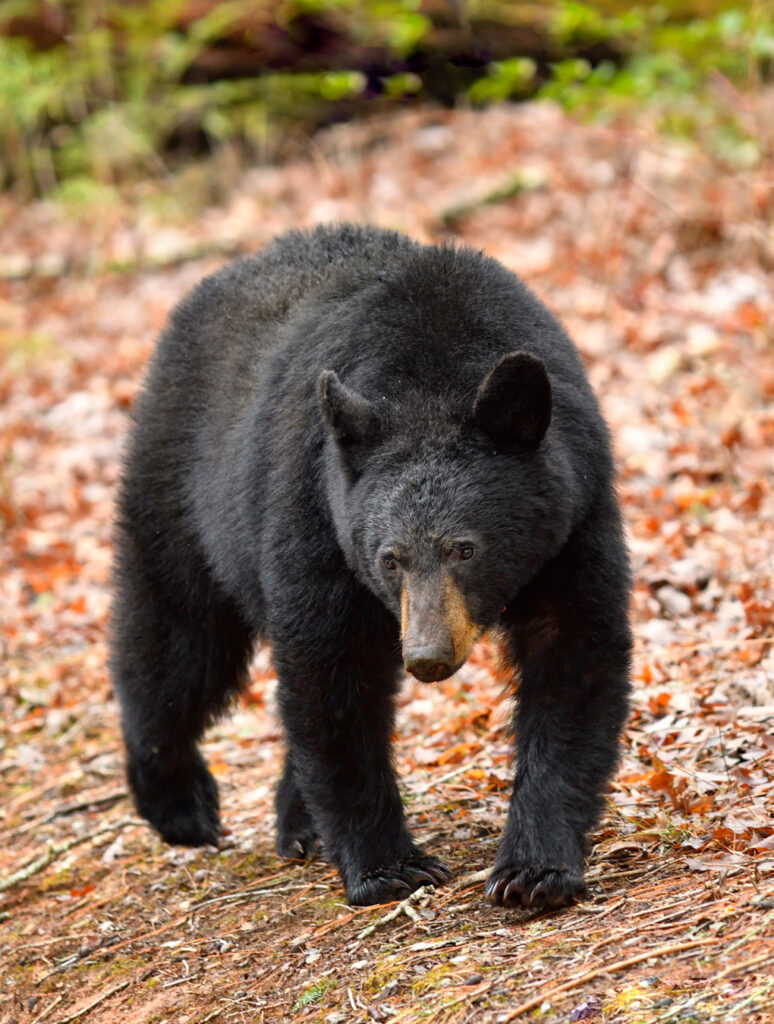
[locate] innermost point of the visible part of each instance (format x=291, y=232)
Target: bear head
x=447, y=509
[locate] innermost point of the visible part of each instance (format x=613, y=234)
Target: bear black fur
x=368, y=452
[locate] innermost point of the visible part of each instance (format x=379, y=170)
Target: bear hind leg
x=176, y=663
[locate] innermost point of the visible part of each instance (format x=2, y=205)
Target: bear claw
x=303, y=845
x=397, y=881
x=534, y=888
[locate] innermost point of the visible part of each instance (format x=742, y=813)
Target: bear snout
x=430, y=662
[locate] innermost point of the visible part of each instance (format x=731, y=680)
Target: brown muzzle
x=436, y=631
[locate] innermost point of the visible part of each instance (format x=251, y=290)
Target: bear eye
x=389, y=561
x=464, y=552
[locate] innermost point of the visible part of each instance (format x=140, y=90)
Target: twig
x=214, y=1013
x=338, y=922
x=741, y=967
x=410, y=912
x=96, y=954
x=691, y=898
x=723, y=644
x=757, y=993
x=657, y=922
x=481, y=989
x=599, y=912
x=404, y=907
x=618, y=965
x=108, y=950
x=761, y=926
x=183, y=980
x=56, y=850
x=425, y=787
x=472, y=878
x=143, y=936
x=100, y=999
x=48, y=1009
x=83, y=805
x=241, y=894
x=102, y=803
x=195, y=251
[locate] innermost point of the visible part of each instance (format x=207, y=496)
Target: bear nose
x=430, y=662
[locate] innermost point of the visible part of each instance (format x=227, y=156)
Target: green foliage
x=107, y=103
x=403, y=84
x=507, y=79
x=574, y=21
x=114, y=101
x=686, y=68
x=314, y=993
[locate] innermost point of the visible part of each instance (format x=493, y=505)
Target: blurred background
x=98, y=93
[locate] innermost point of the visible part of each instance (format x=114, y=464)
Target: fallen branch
x=618, y=965
x=404, y=907
x=56, y=850
x=245, y=894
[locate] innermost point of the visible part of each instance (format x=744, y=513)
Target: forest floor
x=661, y=263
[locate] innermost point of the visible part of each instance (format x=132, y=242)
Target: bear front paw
x=397, y=881
x=539, y=888
x=180, y=800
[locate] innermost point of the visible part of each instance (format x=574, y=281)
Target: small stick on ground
x=48, y=1009
x=216, y=1011
x=56, y=850
x=744, y=965
x=101, y=802
x=404, y=907
x=100, y=999
x=471, y=878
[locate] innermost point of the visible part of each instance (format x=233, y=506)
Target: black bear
x=369, y=452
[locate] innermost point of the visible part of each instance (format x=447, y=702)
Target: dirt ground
x=660, y=262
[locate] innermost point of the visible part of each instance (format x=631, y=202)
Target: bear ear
x=513, y=403
x=351, y=419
